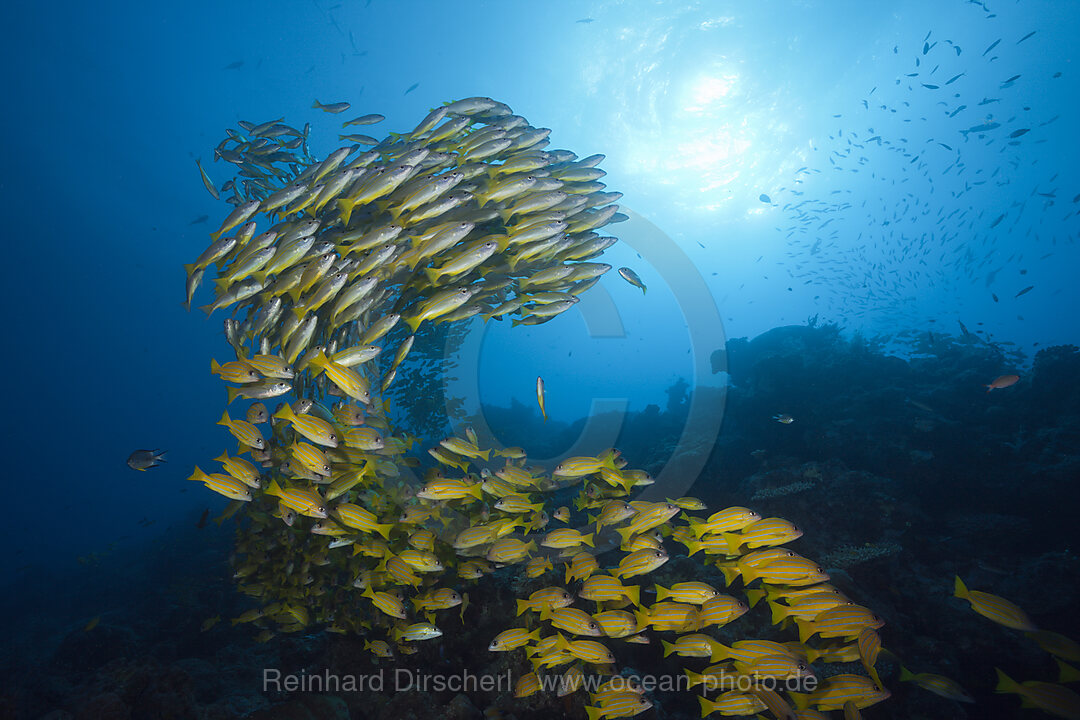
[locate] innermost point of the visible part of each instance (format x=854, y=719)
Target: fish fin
x=905, y=674
x=754, y=596
x=634, y=593
x=778, y=613
x=668, y=647
x=231, y=393
x=588, y=540
x=960, y=590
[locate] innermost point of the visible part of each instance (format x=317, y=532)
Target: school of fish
x=469, y=214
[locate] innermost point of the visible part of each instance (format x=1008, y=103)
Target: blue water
x=870, y=222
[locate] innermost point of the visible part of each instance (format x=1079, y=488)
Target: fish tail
x=625, y=533
x=801, y=700
x=607, y=459
x=706, y=705
x=734, y=541
x=747, y=572
x=806, y=630
x=588, y=540
x=634, y=593
x=316, y=105
x=384, y=529
x=414, y=322
x=731, y=573
x=231, y=393
x=1067, y=673
x=522, y=606
x=905, y=674
x=190, y=268
x=668, y=647
x=346, y=208
x=779, y=613
x=225, y=419
x=960, y=590
x=285, y=413
x=754, y=596
x=207, y=309
x=641, y=617
x=661, y=592
x=1006, y=684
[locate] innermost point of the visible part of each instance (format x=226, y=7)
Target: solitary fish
x=365, y=120
x=994, y=607
x=331, y=107
x=632, y=277
x=1002, y=381
x=764, y=198
x=784, y=418
x=142, y=459
x=206, y=181
x=540, y=396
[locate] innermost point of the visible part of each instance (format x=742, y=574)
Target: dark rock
x=168, y=695
x=85, y=651
x=107, y=706
x=306, y=707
